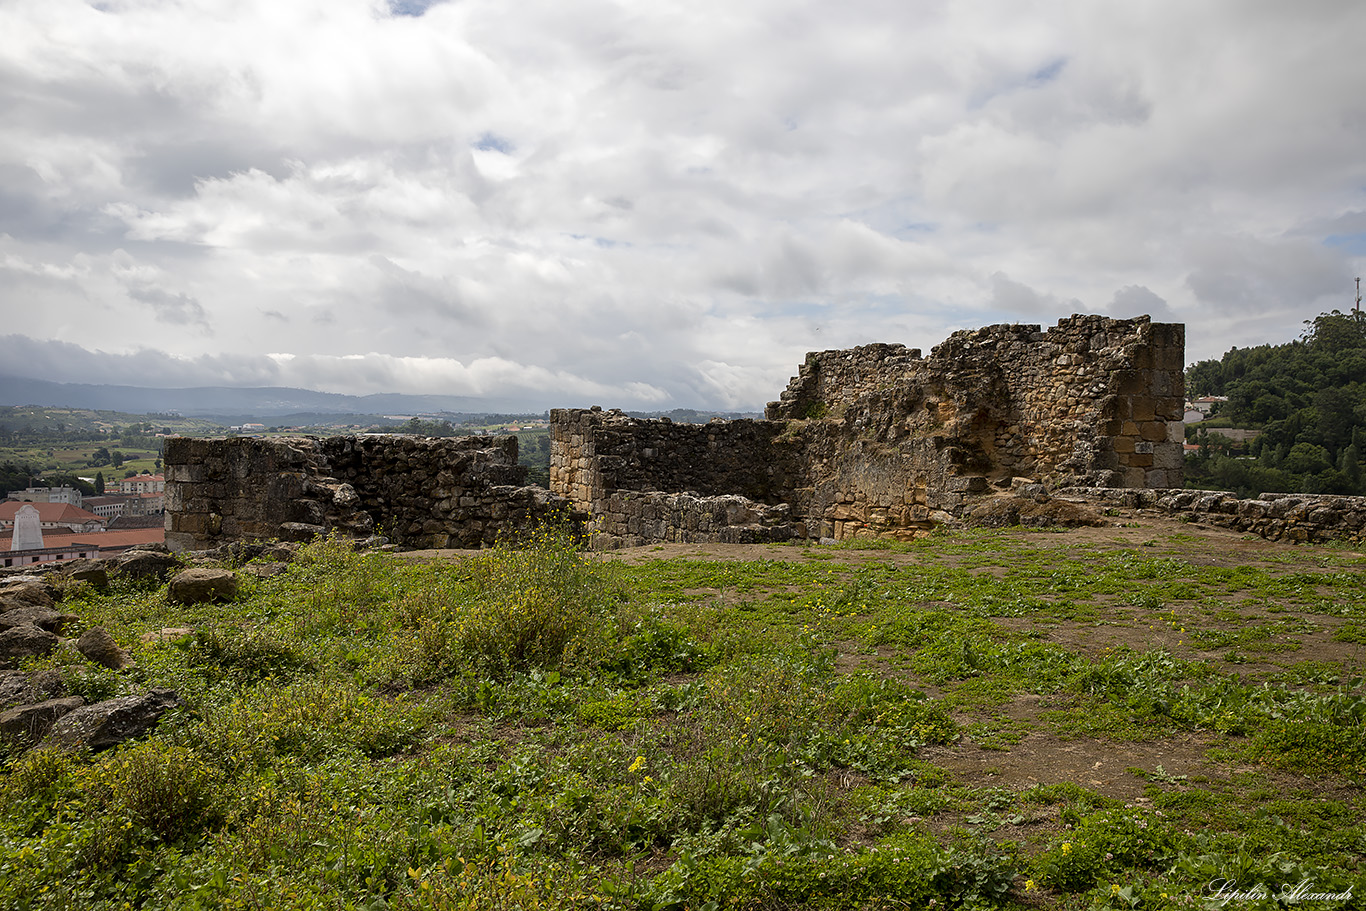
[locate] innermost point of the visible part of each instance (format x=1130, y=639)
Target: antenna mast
x=1357, y=308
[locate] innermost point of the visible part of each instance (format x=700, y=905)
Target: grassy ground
x=1116, y=718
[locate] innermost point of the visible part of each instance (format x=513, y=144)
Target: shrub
x=245, y=656
x=538, y=603
x=169, y=790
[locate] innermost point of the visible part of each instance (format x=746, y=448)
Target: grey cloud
x=407, y=293
x=1136, y=300
x=64, y=362
x=172, y=168
x=626, y=194
x=178, y=309
x=1242, y=274
x=1016, y=297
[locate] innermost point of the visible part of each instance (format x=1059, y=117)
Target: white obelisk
x=28, y=529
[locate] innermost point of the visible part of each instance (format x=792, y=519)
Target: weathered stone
x=46, y=684
x=35, y=615
x=202, y=583
x=301, y=532
x=15, y=689
x=22, y=642
x=98, y=646
x=265, y=570
x=111, y=722
x=28, y=724
x=145, y=564
x=92, y=572
x=28, y=589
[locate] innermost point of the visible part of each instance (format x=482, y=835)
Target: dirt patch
x=1040, y=758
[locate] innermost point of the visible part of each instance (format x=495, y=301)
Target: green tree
x=1306, y=458
x=1336, y=332
x=99, y=483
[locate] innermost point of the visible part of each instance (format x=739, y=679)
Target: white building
x=143, y=483
x=47, y=495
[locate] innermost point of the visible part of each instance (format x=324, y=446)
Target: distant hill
x=218, y=401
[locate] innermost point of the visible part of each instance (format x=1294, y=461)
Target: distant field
x=75, y=459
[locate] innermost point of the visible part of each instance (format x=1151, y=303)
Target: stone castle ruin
x=879, y=441
x=876, y=441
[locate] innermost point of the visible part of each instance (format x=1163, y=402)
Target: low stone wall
x=633, y=518
x=1297, y=517
x=418, y=492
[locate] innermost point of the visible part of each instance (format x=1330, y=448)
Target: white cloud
x=670, y=202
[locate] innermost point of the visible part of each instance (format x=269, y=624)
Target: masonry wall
x=1093, y=401
x=418, y=492
x=641, y=480
x=1295, y=517
x=876, y=441
x=879, y=441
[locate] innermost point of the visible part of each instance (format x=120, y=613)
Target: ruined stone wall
x=641, y=480
x=418, y=492
x=1093, y=401
x=879, y=441
x=876, y=441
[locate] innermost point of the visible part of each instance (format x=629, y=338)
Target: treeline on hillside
x=1308, y=398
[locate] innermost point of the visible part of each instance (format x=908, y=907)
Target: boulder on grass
x=22, y=642
x=18, y=688
x=21, y=590
x=97, y=645
x=143, y=564
x=203, y=583
x=28, y=724
x=93, y=572
x=111, y=722
x=47, y=684
x=14, y=689
x=266, y=570
x=35, y=615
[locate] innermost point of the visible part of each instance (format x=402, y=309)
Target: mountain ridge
x=261, y=401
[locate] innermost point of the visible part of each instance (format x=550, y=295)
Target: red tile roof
x=104, y=540
x=50, y=512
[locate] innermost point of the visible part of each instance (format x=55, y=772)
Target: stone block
x=1153, y=431
x=1169, y=456
x=1143, y=408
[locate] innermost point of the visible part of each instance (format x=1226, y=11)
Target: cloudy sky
x=653, y=203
